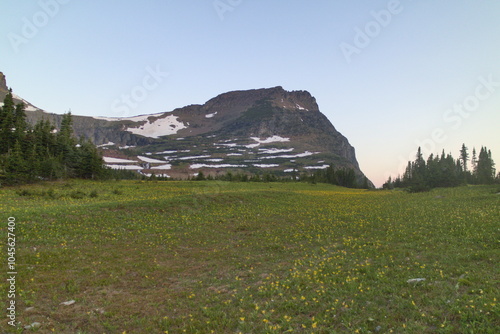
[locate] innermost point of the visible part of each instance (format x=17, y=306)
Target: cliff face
x=294, y=115
x=271, y=130
x=3, y=83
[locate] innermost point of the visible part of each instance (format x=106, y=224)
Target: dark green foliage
x=29, y=153
x=63, y=192
x=24, y=192
x=16, y=167
x=119, y=174
x=445, y=171
x=77, y=194
x=7, y=116
x=89, y=161
x=485, y=168
x=464, y=157
x=344, y=177
x=200, y=177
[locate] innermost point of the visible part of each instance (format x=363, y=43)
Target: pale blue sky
x=390, y=94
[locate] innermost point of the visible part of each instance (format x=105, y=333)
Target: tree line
x=444, y=171
x=344, y=177
x=29, y=153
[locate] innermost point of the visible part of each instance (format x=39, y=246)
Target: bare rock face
x=3, y=83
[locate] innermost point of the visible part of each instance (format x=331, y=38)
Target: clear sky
x=390, y=75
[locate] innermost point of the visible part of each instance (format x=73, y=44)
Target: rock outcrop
x=3, y=83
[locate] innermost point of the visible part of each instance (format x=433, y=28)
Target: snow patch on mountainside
x=167, y=152
x=266, y=165
x=197, y=166
x=117, y=161
x=194, y=157
x=160, y=127
x=127, y=167
x=289, y=156
x=273, y=139
x=317, y=167
x=300, y=107
x=110, y=143
x=166, y=166
x=274, y=150
x=150, y=160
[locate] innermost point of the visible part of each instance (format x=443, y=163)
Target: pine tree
x=474, y=165
x=28, y=153
x=407, y=176
x=416, y=174
x=90, y=161
x=464, y=157
x=19, y=125
x=433, y=172
x=33, y=162
x=17, y=168
x=7, y=124
x=45, y=139
x=485, y=170
x=66, y=147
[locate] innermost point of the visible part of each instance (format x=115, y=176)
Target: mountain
x=256, y=131
x=17, y=99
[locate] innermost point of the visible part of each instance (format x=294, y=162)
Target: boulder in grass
x=415, y=280
x=68, y=303
x=33, y=326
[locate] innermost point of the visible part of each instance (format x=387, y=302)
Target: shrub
x=24, y=192
x=77, y=194
x=117, y=192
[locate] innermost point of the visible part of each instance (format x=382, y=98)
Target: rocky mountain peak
x=279, y=97
x=292, y=100
x=3, y=83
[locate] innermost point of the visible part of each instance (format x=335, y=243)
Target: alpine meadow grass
x=221, y=257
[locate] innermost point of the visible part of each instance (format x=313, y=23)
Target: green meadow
x=220, y=257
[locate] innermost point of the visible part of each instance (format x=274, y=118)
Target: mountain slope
x=260, y=130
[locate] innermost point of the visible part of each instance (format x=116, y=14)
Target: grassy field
x=215, y=257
